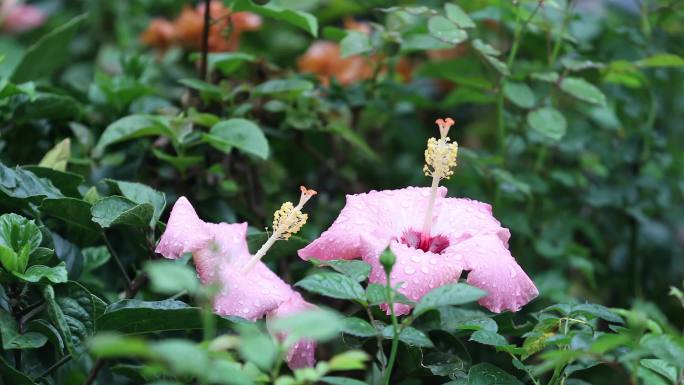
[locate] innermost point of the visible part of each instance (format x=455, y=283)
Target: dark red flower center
x=436, y=244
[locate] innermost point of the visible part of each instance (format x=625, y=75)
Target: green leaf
x=141, y=194
x=19, y=237
x=256, y=347
x=598, y=311
x=25, y=185
x=132, y=316
x=490, y=55
x=452, y=318
x=242, y=134
x=283, y=86
x=73, y=211
x=665, y=347
x=315, y=324
x=208, y=90
x=13, y=376
x=131, y=127
x=488, y=374
x=358, y=327
x=357, y=270
x=36, y=273
x=422, y=42
x=229, y=62
x=182, y=163
x=58, y=157
x=11, y=339
x=48, y=53
x=548, y=122
x=662, y=60
x=583, y=90
x=54, y=107
x=349, y=360
x=519, y=94
x=661, y=367
x=333, y=285
x=377, y=295
x=448, y=295
x=488, y=337
x=182, y=356
x=445, y=30
x=300, y=19
x=110, y=345
x=458, y=16
x=410, y=336
x=116, y=210
x=72, y=309
x=171, y=278
x=355, y=43
x=67, y=182
x=342, y=381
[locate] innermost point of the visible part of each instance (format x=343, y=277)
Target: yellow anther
x=440, y=157
x=288, y=220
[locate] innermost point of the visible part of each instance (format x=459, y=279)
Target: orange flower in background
x=187, y=29
x=324, y=58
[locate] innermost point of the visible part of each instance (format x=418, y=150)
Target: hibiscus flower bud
x=387, y=260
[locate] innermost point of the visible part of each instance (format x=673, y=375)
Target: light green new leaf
x=445, y=30
x=58, y=157
x=583, y=90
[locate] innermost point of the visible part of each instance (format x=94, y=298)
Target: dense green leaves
x=548, y=122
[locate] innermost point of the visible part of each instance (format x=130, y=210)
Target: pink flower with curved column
x=463, y=236
x=220, y=253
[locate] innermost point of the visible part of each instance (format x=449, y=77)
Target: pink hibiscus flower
x=434, y=238
x=18, y=18
x=220, y=254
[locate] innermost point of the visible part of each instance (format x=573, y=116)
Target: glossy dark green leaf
x=132, y=316
x=13, y=376
x=358, y=327
x=357, y=270
x=116, y=210
x=75, y=212
x=25, y=185
x=410, y=336
x=142, y=194
x=72, y=311
x=12, y=339
x=66, y=182
x=377, y=295
x=488, y=337
x=333, y=285
x=448, y=295
x=37, y=273
x=341, y=381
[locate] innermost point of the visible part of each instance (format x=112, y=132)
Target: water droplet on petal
x=409, y=270
x=424, y=269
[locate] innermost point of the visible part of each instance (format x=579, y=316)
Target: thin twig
x=116, y=259
x=205, y=40
x=55, y=366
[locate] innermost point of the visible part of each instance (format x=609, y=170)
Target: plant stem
x=119, y=264
x=559, y=40
x=205, y=40
x=395, y=332
x=55, y=366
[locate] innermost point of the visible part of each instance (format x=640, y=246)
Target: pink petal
x=417, y=270
x=185, y=232
x=371, y=220
x=249, y=295
x=460, y=218
x=493, y=269
x=303, y=353
x=227, y=245
x=22, y=18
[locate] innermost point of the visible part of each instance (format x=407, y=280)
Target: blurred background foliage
x=568, y=118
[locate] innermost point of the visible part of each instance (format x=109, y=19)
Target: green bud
x=387, y=260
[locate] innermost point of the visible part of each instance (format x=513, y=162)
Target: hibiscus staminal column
x=440, y=159
x=288, y=220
